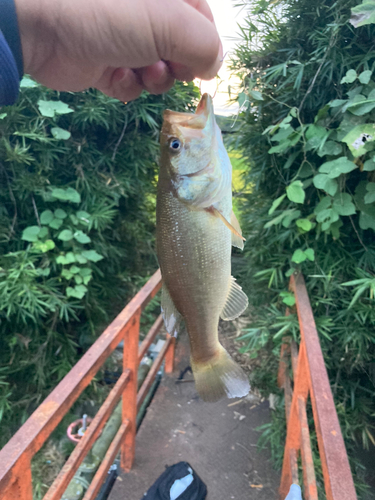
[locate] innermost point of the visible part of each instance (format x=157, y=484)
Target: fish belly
x=194, y=252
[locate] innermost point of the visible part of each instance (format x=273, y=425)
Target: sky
x=227, y=17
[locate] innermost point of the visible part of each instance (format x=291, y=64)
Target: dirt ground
x=219, y=440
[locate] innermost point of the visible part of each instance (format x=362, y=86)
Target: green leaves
x=65, y=235
x=359, y=137
x=288, y=298
x=81, y=237
x=44, y=246
x=295, y=192
x=77, y=292
x=241, y=99
x=323, y=181
x=60, y=214
x=365, y=77
x=68, y=194
x=300, y=256
x=369, y=165
x=46, y=217
x=92, y=255
x=28, y=83
x=359, y=105
x=255, y=94
x=52, y=108
x=276, y=203
x=60, y=133
x=350, y=76
x=325, y=214
x=337, y=167
x=343, y=205
x=31, y=233
x=370, y=196
x=304, y=224
x=330, y=148
x=363, y=14
x=55, y=223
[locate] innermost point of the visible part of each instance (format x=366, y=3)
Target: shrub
x=308, y=134
x=77, y=216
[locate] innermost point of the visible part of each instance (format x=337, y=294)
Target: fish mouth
x=194, y=174
x=205, y=106
x=198, y=120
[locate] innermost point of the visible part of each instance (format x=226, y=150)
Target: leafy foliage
x=77, y=191
x=310, y=142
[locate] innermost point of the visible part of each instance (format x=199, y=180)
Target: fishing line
x=240, y=110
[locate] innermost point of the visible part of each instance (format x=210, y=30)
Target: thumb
x=185, y=36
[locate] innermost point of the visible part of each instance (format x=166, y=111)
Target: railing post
x=293, y=436
x=169, y=355
x=129, y=398
x=20, y=486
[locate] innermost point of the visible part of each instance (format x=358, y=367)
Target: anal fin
x=236, y=302
x=171, y=316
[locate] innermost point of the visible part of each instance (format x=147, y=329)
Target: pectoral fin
x=171, y=316
x=236, y=302
x=237, y=241
x=216, y=213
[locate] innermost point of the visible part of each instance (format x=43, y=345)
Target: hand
x=118, y=46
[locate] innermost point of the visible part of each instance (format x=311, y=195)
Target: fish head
x=193, y=155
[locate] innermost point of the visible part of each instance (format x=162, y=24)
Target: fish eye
x=175, y=145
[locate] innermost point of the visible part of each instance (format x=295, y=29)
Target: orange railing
x=310, y=378
x=15, y=457
x=309, y=375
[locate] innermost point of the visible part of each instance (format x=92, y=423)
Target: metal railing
x=16, y=456
x=310, y=379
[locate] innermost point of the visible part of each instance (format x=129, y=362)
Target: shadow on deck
x=216, y=439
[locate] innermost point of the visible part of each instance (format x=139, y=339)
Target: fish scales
x=195, y=269
x=195, y=231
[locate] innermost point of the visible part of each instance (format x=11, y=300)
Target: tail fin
x=220, y=376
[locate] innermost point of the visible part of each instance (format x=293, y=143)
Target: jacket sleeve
x=11, y=61
x=9, y=77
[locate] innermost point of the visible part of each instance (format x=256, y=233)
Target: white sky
x=227, y=17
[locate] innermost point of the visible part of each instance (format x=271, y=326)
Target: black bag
x=160, y=490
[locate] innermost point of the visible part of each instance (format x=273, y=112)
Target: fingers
x=156, y=78
x=120, y=83
x=202, y=7
x=185, y=34
x=126, y=84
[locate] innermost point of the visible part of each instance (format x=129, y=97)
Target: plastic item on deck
x=178, y=482
x=294, y=493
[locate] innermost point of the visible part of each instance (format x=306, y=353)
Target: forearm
x=36, y=29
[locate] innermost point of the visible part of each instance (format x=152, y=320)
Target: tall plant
x=77, y=204
x=309, y=135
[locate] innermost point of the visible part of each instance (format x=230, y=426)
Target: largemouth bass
x=196, y=229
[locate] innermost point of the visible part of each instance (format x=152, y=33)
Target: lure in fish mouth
x=196, y=228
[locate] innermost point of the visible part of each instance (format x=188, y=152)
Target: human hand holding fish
x=118, y=47
x=196, y=228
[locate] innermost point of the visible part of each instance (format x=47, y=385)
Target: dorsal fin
x=236, y=302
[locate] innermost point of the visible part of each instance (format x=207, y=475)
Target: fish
x=195, y=230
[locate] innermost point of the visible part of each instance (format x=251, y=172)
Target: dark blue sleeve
x=9, y=76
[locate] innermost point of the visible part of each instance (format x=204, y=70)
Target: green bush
x=307, y=130
x=77, y=216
